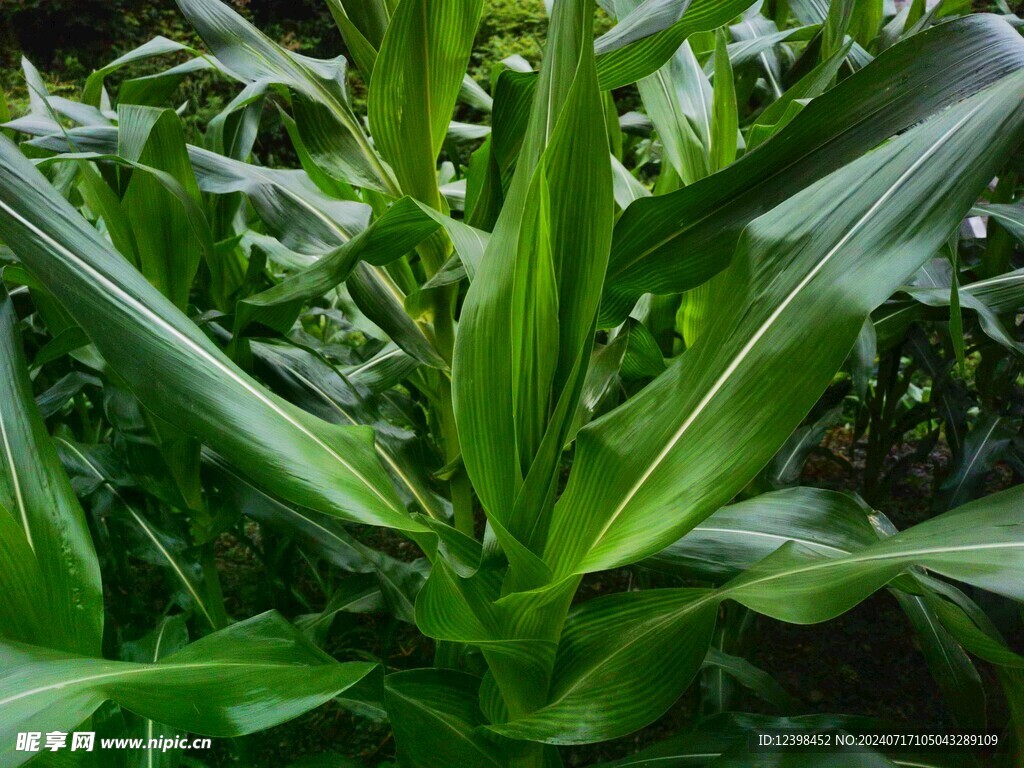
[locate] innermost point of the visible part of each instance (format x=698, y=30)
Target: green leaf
x=46, y=110
x=987, y=298
x=1009, y=217
x=981, y=449
x=254, y=675
x=416, y=81
x=330, y=130
x=362, y=25
x=673, y=242
x=49, y=538
x=323, y=536
x=643, y=358
x=833, y=524
x=490, y=174
x=817, y=12
x=645, y=39
x=390, y=237
x=978, y=543
x=622, y=661
x=434, y=713
x=401, y=228
x=625, y=658
x=384, y=370
x=788, y=464
x=627, y=187
x=678, y=100
x=64, y=343
x=315, y=385
x=756, y=39
x=158, y=46
x=174, y=369
x=780, y=112
x=724, y=115
x=23, y=614
x=379, y=298
x=602, y=378
x=159, y=88
x=837, y=22
x=357, y=594
x=168, y=249
x=170, y=636
x=182, y=573
x=735, y=537
x=816, y=258
x=746, y=674
x=289, y=203
x=956, y=318
x=547, y=256
x=866, y=22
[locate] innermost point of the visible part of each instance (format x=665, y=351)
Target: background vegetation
x=926, y=419
x=67, y=39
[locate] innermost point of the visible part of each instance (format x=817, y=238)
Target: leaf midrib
x=145, y=670
x=150, y=534
x=853, y=559
x=777, y=312
x=19, y=498
x=725, y=592
x=621, y=269
x=439, y=717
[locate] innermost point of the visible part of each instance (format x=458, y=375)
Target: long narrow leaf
x=251, y=676
x=673, y=242
x=416, y=80
x=671, y=447
x=177, y=372
x=36, y=492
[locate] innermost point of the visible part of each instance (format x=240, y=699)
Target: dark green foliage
x=473, y=422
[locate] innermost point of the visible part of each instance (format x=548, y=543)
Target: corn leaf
x=673, y=242
x=23, y=614
x=168, y=247
x=435, y=713
x=516, y=383
x=251, y=676
x=288, y=202
x=312, y=383
x=651, y=33
x=736, y=537
x=678, y=99
x=625, y=658
x=48, y=546
x=94, y=472
x=670, y=448
x=416, y=81
x=330, y=130
x=177, y=372
x=988, y=298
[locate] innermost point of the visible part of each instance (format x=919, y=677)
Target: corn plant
x=528, y=348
